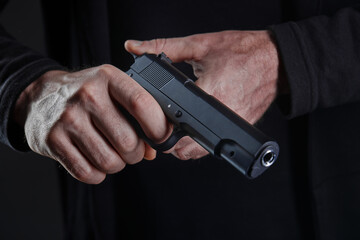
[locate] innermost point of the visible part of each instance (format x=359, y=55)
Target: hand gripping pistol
x=197, y=114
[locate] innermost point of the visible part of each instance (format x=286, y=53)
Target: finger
x=177, y=49
x=186, y=140
x=150, y=153
x=191, y=151
x=96, y=149
x=141, y=105
x=119, y=132
x=76, y=122
x=69, y=156
x=187, y=148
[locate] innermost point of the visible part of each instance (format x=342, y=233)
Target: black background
x=29, y=189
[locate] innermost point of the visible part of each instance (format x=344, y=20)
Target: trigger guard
x=175, y=136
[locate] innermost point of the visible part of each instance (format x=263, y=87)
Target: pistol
x=201, y=116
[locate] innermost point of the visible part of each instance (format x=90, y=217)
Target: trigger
x=175, y=136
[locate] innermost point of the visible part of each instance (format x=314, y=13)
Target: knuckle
x=83, y=173
x=105, y=71
x=70, y=118
x=203, y=45
x=190, y=151
x=135, y=159
x=133, y=153
x=139, y=102
x=128, y=143
x=88, y=94
x=197, y=39
x=182, y=154
x=156, y=135
x=91, y=97
x=112, y=164
x=159, y=44
x=161, y=132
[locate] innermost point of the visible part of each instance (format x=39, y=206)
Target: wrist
x=28, y=95
x=269, y=60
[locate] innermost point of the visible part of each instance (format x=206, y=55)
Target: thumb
x=177, y=49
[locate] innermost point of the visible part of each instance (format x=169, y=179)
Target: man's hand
x=240, y=68
x=75, y=119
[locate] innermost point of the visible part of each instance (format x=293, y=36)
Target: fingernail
x=135, y=43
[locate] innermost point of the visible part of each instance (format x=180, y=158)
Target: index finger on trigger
x=141, y=105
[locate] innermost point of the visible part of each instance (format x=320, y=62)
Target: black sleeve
x=321, y=59
x=19, y=66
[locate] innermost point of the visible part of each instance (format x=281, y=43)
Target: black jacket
x=312, y=191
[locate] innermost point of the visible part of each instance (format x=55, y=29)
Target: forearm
x=19, y=67
x=320, y=59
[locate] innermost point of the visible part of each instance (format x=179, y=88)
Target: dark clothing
x=312, y=191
